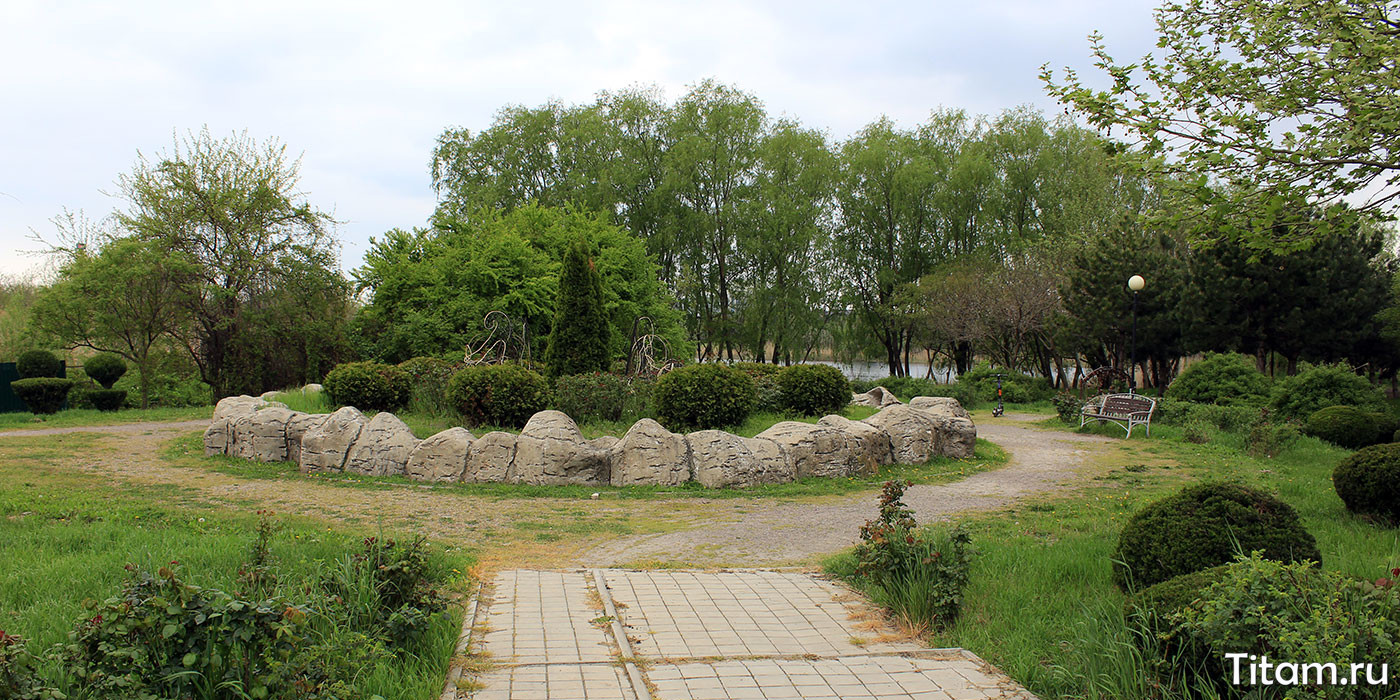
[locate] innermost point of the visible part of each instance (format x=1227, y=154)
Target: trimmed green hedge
x=699, y=397
x=501, y=395
x=368, y=386
x=1368, y=482
x=43, y=395
x=1221, y=378
x=1206, y=525
x=106, y=399
x=813, y=390
x=40, y=363
x=105, y=369
x=1343, y=426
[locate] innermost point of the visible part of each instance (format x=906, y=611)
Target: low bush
x=105, y=369
x=703, y=396
x=1270, y=439
x=1197, y=431
x=368, y=386
x=1068, y=406
x=1015, y=387
x=37, y=364
x=1206, y=525
x=19, y=678
x=106, y=399
x=42, y=395
x=593, y=396
x=1317, y=387
x=1155, y=610
x=1221, y=378
x=1343, y=426
x=502, y=395
x=813, y=390
x=768, y=398
x=906, y=388
x=1290, y=612
x=1387, y=424
x=919, y=575
x=427, y=381
x=1368, y=482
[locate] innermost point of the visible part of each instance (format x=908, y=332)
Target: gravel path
x=572, y=532
x=769, y=534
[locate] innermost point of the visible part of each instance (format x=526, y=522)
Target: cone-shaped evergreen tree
x=581, y=336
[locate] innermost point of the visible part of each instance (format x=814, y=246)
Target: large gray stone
x=722, y=460
x=915, y=434
x=260, y=435
x=218, y=437
x=233, y=406
x=297, y=427
x=650, y=454
x=324, y=447
x=878, y=397
x=442, y=457
x=957, y=436
x=940, y=404
x=815, y=450
x=869, y=446
x=491, y=459
x=551, y=450
x=383, y=447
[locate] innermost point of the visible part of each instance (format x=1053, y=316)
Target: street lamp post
x=1135, y=283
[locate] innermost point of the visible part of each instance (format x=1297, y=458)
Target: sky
x=362, y=90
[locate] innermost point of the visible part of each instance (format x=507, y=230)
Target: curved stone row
x=550, y=450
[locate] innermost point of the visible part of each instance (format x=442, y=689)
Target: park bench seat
x=1125, y=410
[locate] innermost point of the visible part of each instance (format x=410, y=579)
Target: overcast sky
x=361, y=90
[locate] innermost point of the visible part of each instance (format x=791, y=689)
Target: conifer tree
x=581, y=336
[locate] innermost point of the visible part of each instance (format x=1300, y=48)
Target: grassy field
x=80, y=417
x=65, y=536
x=1041, y=604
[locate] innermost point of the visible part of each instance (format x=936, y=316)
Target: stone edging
x=551, y=450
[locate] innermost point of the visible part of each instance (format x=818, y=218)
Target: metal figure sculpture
x=501, y=339
x=1106, y=377
x=650, y=354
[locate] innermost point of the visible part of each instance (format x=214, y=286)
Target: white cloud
x=363, y=89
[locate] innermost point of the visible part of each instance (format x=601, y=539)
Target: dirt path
x=563, y=532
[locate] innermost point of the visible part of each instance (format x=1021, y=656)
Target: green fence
x=9, y=403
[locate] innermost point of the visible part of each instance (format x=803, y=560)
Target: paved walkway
x=690, y=635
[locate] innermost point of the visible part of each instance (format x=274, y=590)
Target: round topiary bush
x=768, y=398
x=1386, y=425
x=369, y=386
x=813, y=390
x=42, y=395
x=40, y=363
x=106, y=399
x=105, y=369
x=1343, y=426
x=1368, y=482
x=699, y=397
x=1221, y=378
x=1316, y=388
x=1153, y=609
x=1206, y=525
x=503, y=395
x=592, y=396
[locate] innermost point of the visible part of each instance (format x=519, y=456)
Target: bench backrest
x=1123, y=404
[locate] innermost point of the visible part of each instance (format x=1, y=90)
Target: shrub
x=1318, y=387
x=42, y=395
x=1015, y=387
x=106, y=399
x=503, y=395
x=1386, y=425
x=1343, y=426
x=1270, y=439
x=1197, y=431
x=40, y=363
x=18, y=677
x=813, y=390
x=1068, y=406
x=699, y=397
x=1155, y=609
x=427, y=381
x=1368, y=482
x=105, y=369
x=768, y=397
x=593, y=396
x=1292, y=612
x=387, y=586
x=906, y=388
x=1221, y=378
x=369, y=386
x=918, y=575
x=1206, y=525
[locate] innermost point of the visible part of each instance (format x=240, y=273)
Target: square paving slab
x=689, y=635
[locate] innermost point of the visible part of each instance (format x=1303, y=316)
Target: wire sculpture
x=650, y=354
x=1106, y=377
x=502, y=340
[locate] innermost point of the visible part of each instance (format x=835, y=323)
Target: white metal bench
x=1125, y=410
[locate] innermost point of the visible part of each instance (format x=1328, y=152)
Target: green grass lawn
x=65, y=536
x=1041, y=604
x=80, y=417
